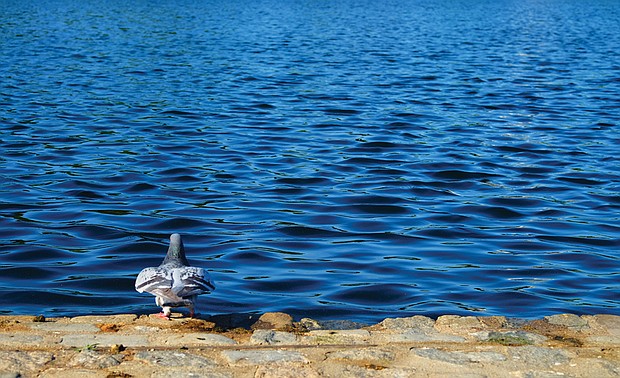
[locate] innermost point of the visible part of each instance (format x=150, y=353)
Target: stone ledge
x=127, y=345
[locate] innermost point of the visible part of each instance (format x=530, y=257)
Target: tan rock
x=571, y=321
x=99, y=319
x=274, y=320
x=604, y=323
x=402, y=324
x=493, y=322
x=458, y=325
x=346, y=337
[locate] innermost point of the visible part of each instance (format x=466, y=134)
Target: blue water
x=331, y=159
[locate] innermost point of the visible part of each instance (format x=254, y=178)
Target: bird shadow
x=231, y=321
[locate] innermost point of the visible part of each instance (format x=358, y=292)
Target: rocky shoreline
x=273, y=345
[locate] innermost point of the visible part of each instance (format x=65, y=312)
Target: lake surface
x=330, y=159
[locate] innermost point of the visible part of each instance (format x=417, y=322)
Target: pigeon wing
x=190, y=280
x=154, y=280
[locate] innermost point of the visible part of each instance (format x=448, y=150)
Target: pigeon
x=174, y=283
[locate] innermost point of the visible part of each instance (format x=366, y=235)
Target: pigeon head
x=176, y=251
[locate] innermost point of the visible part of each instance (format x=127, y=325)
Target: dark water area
x=337, y=160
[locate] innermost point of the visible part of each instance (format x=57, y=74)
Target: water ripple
x=329, y=161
